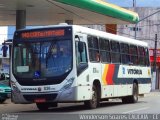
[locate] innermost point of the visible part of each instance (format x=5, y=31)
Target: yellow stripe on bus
x=104, y=74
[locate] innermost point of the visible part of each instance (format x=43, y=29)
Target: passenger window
x=147, y=63
x=125, y=53
x=141, y=56
x=105, y=50
x=133, y=54
x=115, y=52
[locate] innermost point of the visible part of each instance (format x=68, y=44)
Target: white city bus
x=70, y=63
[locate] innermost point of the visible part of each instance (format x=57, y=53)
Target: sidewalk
x=153, y=93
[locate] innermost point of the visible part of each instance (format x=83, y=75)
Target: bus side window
x=81, y=58
x=125, y=57
x=115, y=53
x=141, y=56
x=93, y=46
x=105, y=50
x=134, y=54
x=147, y=63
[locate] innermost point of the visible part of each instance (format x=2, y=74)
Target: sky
x=139, y=3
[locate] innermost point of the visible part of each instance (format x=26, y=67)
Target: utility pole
x=136, y=25
x=134, y=3
x=154, y=65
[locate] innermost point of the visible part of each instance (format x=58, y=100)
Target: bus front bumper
x=73, y=94
x=61, y=96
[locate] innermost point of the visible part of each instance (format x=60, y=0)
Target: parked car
x=5, y=92
x=4, y=76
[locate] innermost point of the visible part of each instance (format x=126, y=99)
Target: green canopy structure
x=49, y=12
x=104, y=8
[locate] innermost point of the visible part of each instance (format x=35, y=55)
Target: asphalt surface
x=147, y=105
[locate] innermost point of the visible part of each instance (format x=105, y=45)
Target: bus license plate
x=40, y=100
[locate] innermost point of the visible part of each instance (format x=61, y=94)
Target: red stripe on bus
x=110, y=73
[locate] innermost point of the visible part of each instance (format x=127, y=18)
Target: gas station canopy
x=104, y=8
x=46, y=12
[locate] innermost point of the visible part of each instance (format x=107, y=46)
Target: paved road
x=150, y=104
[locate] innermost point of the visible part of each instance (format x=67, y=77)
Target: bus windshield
x=42, y=59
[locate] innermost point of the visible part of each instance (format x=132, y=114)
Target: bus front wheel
x=94, y=102
x=42, y=106
x=46, y=106
x=2, y=100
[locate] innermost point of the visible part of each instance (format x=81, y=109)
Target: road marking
x=136, y=110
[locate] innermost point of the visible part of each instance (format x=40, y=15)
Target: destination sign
x=41, y=34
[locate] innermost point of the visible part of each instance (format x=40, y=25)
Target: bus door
x=83, y=73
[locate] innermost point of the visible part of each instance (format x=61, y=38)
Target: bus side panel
x=107, y=91
x=129, y=74
x=84, y=93
x=84, y=86
x=122, y=90
x=117, y=80
x=85, y=81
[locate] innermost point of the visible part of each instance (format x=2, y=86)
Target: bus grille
x=48, y=97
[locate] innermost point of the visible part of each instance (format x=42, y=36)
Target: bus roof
x=109, y=36
x=90, y=31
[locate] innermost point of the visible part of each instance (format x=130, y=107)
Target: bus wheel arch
x=135, y=91
x=98, y=86
x=96, y=96
x=134, y=97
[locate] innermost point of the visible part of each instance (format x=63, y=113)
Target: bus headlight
x=14, y=87
x=68, y=84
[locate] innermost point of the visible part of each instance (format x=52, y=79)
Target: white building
x=146, y=29
x=3, y=34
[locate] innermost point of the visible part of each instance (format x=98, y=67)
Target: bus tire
x=134, y=97
x=2, y=100
x=42, y=106
x=94, y=102
x=53, y=104
x=125, y=100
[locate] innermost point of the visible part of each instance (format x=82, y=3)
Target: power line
x=139, y=26
x=139, y=38
x=150, y=33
